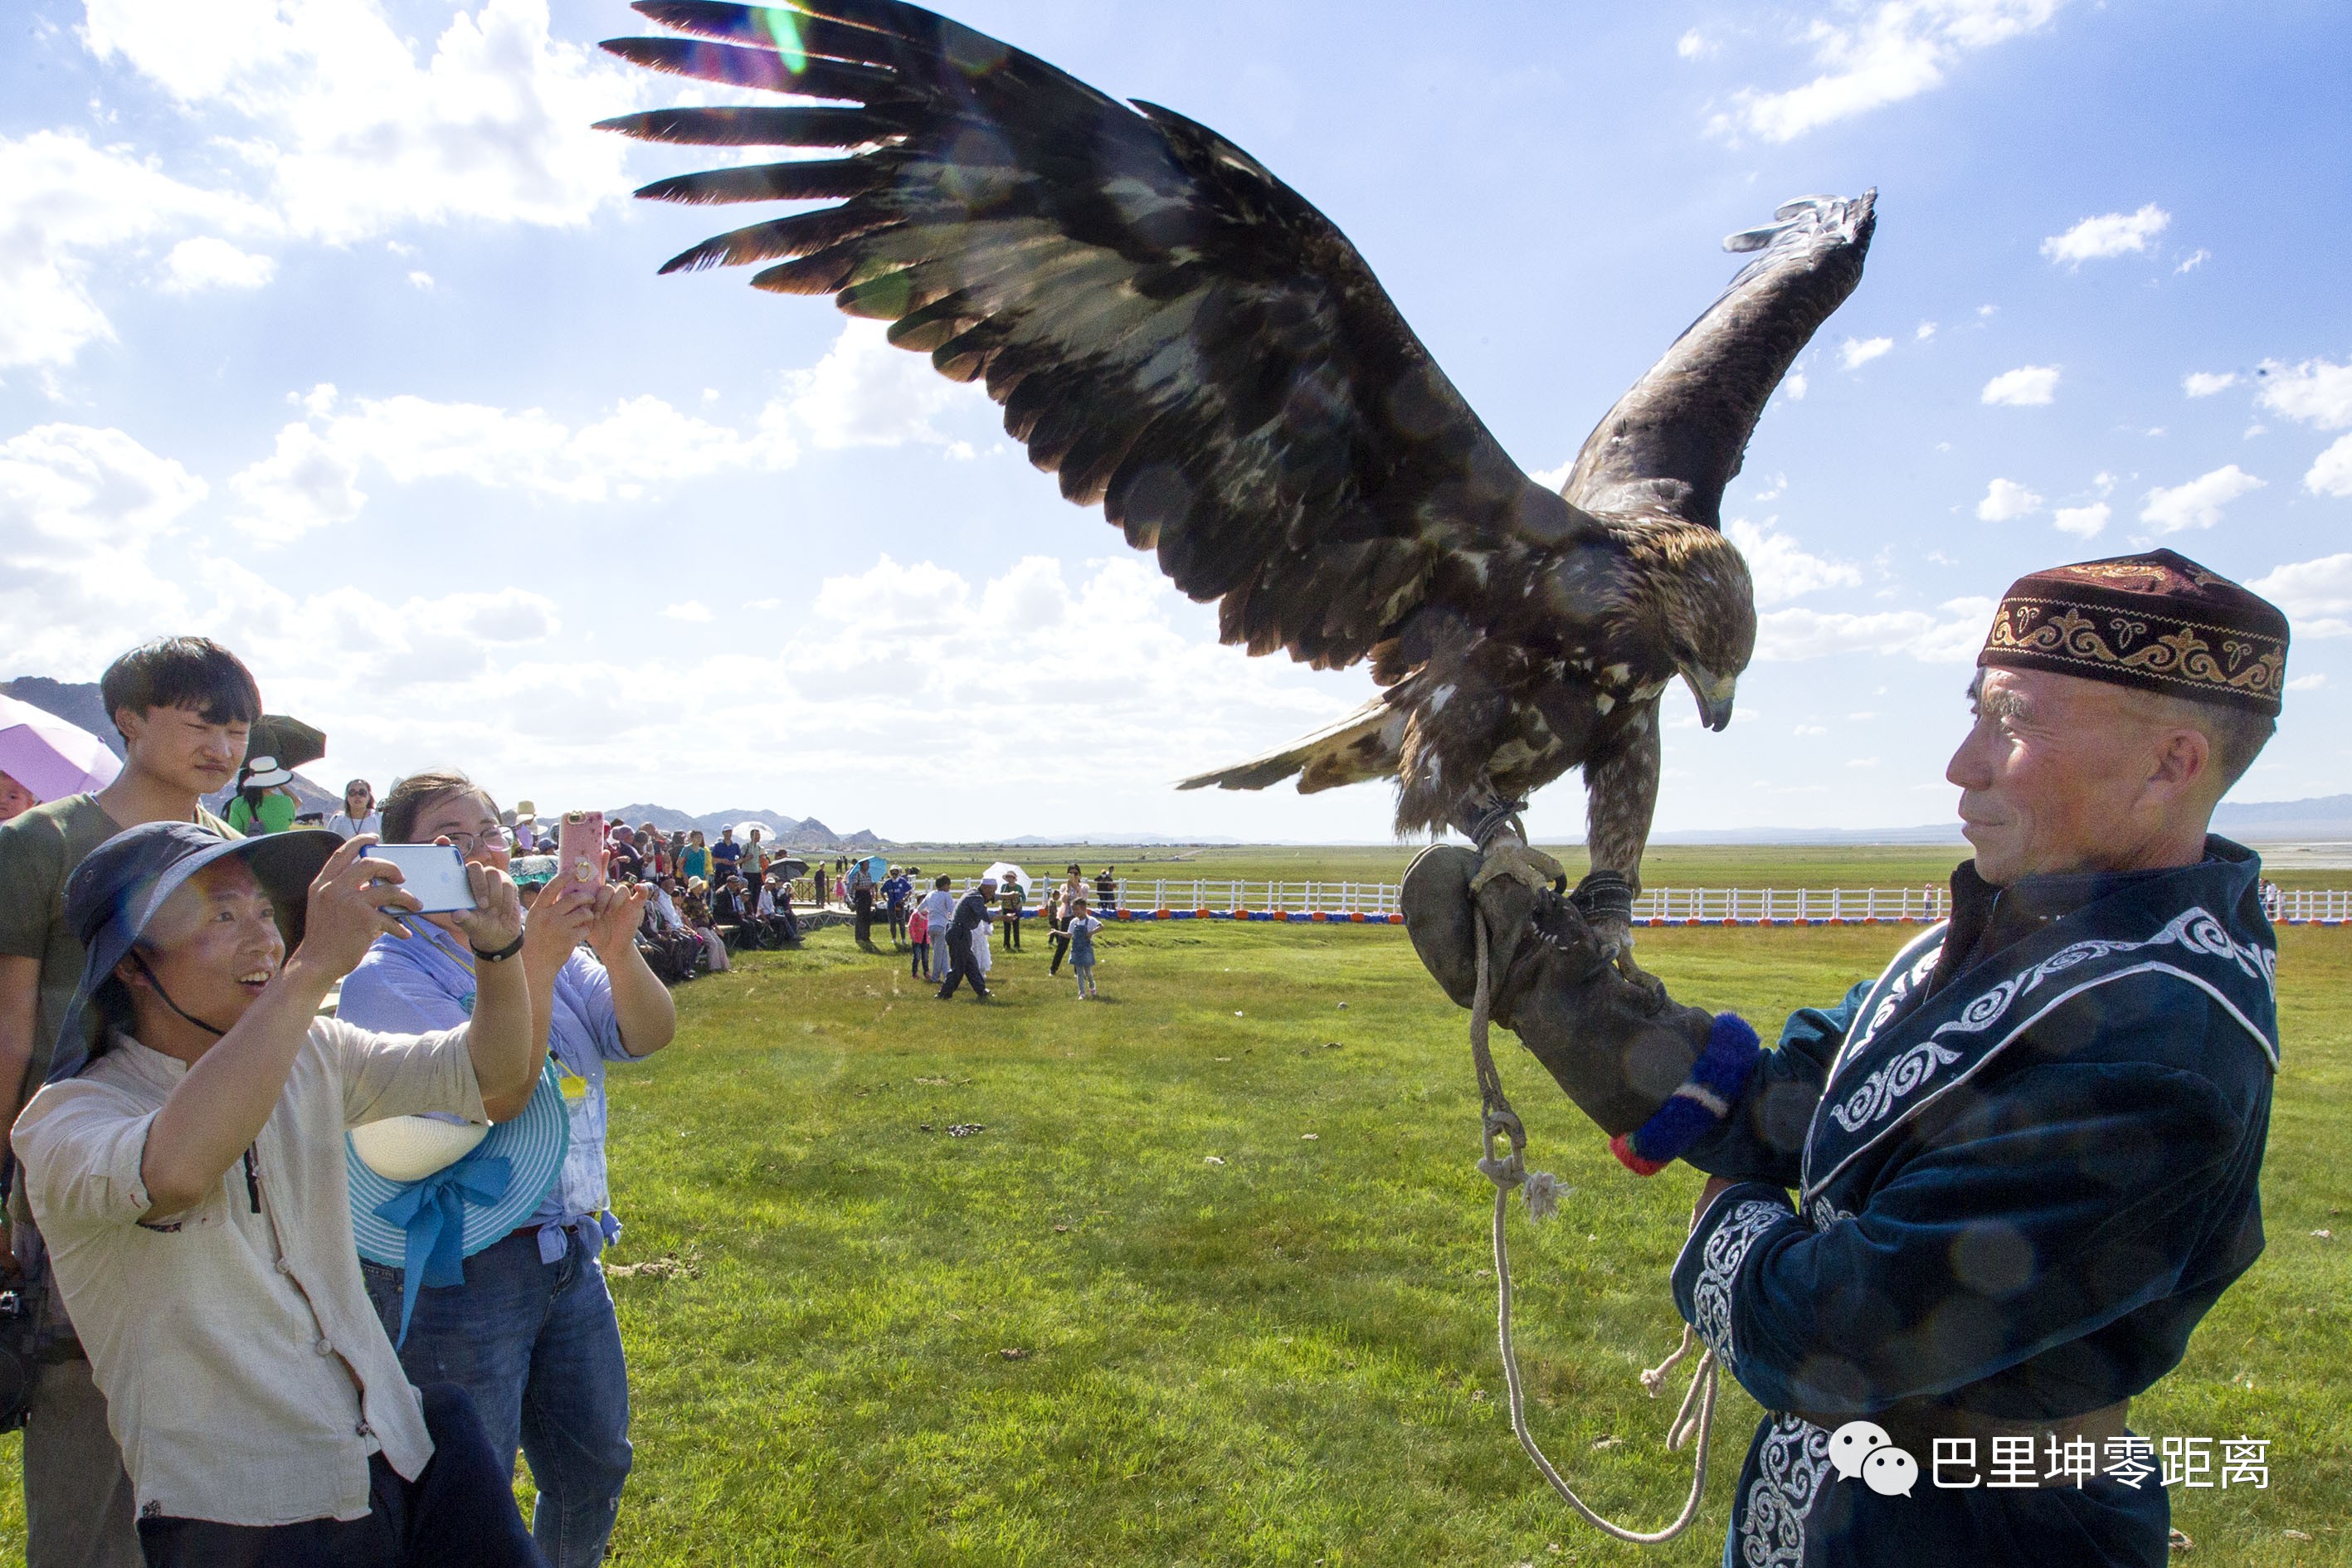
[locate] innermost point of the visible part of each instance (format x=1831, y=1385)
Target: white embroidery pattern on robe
x=1790, y=1467
x=1825, y=1214
x=2193, y=929
x=1719, y=1261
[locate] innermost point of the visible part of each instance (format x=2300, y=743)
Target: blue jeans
x=537, y=1348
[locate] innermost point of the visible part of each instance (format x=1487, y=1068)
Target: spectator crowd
x=307, y=1184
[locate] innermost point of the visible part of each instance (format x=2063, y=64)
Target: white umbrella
x=50, y=757
x=1006, y=871
x=767, y=834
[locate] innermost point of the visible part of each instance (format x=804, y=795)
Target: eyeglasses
x=473, y=842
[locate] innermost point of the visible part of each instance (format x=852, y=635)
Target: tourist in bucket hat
x=188, y=1174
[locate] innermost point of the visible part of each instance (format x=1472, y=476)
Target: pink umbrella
x=49, y=756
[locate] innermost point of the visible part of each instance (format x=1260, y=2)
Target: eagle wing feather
x=1678, y=438
x=1181, y=337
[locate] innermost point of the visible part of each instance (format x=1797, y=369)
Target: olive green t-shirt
x=39, y=852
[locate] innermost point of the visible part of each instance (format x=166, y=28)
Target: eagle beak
x=1714, y=693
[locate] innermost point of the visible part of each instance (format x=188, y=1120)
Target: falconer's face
x=2059, y=773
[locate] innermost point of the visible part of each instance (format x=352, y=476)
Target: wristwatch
x=501, y=955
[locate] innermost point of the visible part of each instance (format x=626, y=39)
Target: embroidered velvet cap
x=2158, y=622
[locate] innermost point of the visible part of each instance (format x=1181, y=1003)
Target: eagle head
x=1705, y=606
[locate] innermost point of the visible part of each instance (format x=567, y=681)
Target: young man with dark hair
x=182, y=706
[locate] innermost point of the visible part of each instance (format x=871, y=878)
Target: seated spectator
x=532, y=1314
x=695, y=910
x=15, y=800
x=188, y=1175
x=733, y=913
x=680, y=949
x=773, y=910
x=359, y=814
x=265, y=801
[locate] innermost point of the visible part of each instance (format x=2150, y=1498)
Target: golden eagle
x=1188, y=341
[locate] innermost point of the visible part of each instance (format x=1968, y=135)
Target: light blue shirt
x=426, y=983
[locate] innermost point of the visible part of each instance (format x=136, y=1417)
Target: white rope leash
x=1510, y=1171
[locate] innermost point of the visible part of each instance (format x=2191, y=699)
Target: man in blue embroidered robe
x=1982, y=1201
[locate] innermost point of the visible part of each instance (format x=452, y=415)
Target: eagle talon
x=1521, y=863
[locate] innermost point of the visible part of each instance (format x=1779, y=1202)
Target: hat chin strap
x=185, y=1015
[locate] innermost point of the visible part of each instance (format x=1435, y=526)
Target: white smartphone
x=433, y=874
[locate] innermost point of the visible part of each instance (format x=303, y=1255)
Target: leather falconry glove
x=1655, y=1075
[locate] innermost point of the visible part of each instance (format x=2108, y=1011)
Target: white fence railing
x=1375, y=903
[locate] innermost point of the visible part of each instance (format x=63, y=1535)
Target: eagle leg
x=1493, y=824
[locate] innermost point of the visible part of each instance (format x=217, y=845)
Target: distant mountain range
x=792, y=831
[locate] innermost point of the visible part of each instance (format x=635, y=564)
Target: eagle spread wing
x=1173, y=331
x=1188, y=341
x=1677, y=439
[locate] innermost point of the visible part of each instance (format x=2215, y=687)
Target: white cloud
x=1870, y=56
x=2307, y=683
x=307, y=482
x=2112, y=233
x=311, y=478
x=421, y=280
x=1552, y=478
x=1695, y=46
x=2332, y=474
x=2083, y=521
x=864, y=393
x=78, y=508
x=355, y=133
x=1923, y=332
x=1795, y=384
x=209, y=262
x=2196, y=259
x=2005, y=499
x=2199, y=503
x=1783, y=571
x=692, y=610
x=2317, y=392
x=2315, y=595
x=64, y=206
x=1858, y=352
x=1951, y=637
x=2206, y=383
x=2027, y=386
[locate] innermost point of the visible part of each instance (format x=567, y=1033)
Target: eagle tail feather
x=1365, y=744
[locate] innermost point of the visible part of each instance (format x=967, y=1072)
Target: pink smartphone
x=580, y=847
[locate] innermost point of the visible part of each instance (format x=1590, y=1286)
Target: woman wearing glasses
x=531, y=1333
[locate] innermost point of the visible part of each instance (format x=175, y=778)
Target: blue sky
x=329, y=328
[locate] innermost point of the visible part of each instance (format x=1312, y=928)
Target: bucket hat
x=263, y=773
x=119, y=886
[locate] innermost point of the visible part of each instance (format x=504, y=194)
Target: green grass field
x=1077, y=1337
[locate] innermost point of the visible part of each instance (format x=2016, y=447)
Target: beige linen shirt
x=245, y=1374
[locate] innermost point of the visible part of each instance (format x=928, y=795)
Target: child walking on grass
x=918, y=936
x=1082, y=928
